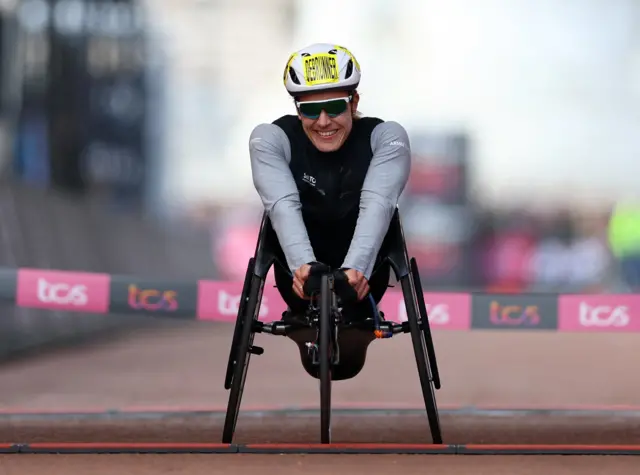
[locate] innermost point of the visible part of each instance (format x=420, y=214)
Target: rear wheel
x=419, y=349
x=242, y=357
x=237, y=332
x=426, y=327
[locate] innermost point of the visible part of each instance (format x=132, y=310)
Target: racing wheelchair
x=330, y=348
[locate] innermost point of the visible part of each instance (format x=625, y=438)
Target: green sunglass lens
x=332, y=108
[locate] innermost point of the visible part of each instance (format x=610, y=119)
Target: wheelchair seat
x=353, y=344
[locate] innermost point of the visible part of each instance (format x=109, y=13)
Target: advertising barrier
x=160, y=298
x=60, y=290
x=514, y=312
x=218, y=301
x=589, y=313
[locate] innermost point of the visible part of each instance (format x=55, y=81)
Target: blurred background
x=124, y=130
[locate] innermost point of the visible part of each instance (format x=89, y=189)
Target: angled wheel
x=242, y=356
x=419, y=349
x=426, y=327
x=237, y=332
x=325, y=350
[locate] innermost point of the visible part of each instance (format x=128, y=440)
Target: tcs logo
x=152, y=299
x=61, y=293
x=604, y=315
x=513, y=314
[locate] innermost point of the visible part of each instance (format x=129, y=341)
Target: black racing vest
x=329, y=185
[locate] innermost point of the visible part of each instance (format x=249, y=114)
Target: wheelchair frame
x=326, y=320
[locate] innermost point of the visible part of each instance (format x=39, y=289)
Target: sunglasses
x=333, y=107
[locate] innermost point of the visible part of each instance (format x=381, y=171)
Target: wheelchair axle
x=274, y=328
x=281, y=328
x=256, y=350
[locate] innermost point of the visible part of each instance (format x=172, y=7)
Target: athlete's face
x=328, y=130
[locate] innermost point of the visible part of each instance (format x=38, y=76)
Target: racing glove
x=313, y=282
x=343, y=289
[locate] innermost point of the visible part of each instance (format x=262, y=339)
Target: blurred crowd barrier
x=501, y=251
x=46, y=229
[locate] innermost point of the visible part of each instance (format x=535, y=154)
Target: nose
x=324, y=119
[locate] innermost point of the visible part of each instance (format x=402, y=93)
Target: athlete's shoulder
x=367, y=123
x=279, y=126
x=390, y=126
x=380, y=126
x=390, y=133
x=288, y=122
x=268, y=136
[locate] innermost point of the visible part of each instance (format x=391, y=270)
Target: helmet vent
x=294, y=76
x=349, y=70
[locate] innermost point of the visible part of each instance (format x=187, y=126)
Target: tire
x=426, y=327
x=243, y=356
x=417, y=338
x=325, y=345
x=237, y=332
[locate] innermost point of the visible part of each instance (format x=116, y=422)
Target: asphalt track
x=169, y=383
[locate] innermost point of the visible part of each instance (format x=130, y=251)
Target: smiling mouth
x=328, y=134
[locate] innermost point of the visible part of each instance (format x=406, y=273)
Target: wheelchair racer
x=330, y=179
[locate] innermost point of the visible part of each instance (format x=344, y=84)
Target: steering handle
x=345, y=293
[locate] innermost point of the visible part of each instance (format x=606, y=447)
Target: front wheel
x=325, y=344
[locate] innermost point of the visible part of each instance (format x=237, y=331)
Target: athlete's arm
x=387, y=176
x=270, y=154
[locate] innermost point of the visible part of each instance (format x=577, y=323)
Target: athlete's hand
x=300, y=276
x=358, y=281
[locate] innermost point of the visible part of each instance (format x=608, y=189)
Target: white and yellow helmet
x=321, y=67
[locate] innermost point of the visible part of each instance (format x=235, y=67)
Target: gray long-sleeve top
x=270, y=154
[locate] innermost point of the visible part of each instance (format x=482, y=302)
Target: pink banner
x=599, y=313
x=220, y=300
x=446, y=311
x=61, y=290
